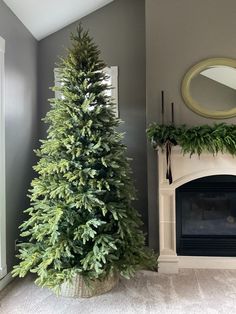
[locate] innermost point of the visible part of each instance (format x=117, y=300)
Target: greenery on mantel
x=195, y=140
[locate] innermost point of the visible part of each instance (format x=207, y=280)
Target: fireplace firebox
x=206, y=217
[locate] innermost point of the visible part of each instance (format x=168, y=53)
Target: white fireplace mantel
x=185, y=169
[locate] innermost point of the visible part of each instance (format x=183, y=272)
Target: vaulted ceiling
x=44, y=17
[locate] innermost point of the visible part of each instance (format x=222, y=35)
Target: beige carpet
x=191, y=291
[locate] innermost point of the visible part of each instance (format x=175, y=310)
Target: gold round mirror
x=209, y=88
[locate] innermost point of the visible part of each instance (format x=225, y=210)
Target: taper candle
x=172, y=113
x=162, y=106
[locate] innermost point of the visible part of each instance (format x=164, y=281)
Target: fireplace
x=197, y=212
x=206, y=217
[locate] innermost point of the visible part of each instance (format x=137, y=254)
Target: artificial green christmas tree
x=81, y=219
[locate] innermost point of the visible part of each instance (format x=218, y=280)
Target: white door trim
x=3, y=268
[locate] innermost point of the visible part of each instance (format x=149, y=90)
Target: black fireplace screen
x=206, y=217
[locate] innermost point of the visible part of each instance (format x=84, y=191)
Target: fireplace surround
x=186, y=172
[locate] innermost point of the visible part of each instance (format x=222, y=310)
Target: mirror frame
x=195, y=105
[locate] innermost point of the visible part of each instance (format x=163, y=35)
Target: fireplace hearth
x=206, y=217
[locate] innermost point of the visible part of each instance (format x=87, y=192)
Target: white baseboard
x=207, y=262
x=5, y=281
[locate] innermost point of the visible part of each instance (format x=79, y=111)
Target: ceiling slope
x=44, y=17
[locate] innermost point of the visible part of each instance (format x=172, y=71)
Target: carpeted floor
x=190, y=292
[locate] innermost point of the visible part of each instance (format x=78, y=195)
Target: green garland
x=195, y=140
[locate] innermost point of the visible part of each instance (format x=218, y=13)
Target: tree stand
x=81, y=288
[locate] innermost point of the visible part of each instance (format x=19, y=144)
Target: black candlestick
x=172, y=113
x=162, y=106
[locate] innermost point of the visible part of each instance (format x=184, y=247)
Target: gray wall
x=21, y=119
x=178, y=35
x=119, y=30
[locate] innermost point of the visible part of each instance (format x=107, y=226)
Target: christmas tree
x=81, y=219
